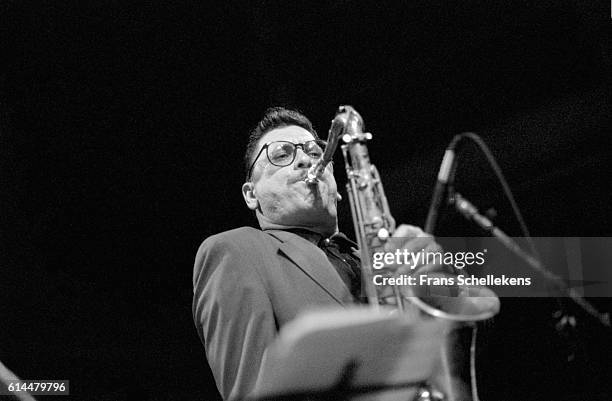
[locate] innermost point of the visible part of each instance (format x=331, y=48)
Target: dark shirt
x=342, y=254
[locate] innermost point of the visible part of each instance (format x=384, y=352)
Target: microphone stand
x=470, y=212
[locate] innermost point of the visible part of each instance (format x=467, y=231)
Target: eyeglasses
x=282, y=153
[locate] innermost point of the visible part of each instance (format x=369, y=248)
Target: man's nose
x=302, y=160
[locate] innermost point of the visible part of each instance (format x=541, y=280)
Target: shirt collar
x=337, y=240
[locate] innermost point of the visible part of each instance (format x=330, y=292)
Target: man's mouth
x=311, y=183
x=304, y=178
x=298, y=179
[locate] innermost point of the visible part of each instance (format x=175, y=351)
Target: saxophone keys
x=383, y=234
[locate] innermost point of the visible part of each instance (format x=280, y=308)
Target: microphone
x=445, y=176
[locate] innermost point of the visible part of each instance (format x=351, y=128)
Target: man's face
x=283, y=196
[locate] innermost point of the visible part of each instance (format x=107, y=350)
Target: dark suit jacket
x=247, y=284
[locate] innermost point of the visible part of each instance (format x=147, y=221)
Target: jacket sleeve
x=232, y=313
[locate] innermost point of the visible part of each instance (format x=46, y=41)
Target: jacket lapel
x=312, y=261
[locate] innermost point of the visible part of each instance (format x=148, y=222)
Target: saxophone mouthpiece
x=312, y=177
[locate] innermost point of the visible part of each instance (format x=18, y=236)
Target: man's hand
x=410, y=245
x=466, y=302
x=412, y=241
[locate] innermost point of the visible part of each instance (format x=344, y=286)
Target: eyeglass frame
x=322, y=144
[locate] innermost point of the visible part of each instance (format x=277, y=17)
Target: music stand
x=337, y=354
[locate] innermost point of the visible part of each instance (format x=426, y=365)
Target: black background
x=122, y=129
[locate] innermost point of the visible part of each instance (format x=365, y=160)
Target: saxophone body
x=372, y=219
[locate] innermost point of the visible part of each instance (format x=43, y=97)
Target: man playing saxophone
x=248, y=282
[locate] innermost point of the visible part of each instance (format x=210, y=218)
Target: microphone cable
x=500, y=178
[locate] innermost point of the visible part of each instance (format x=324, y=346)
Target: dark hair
x=274, y=117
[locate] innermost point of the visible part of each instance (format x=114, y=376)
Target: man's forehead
x=291, y=133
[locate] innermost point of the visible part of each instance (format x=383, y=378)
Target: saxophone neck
x=337, y=130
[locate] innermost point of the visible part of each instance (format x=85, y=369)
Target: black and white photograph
x=305, y=200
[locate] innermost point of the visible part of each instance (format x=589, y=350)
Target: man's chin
x=310, y=211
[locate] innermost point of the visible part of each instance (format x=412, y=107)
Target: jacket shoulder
x=241, y=237
x=240, y=244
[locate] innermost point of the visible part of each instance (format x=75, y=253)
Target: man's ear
x=248, y=193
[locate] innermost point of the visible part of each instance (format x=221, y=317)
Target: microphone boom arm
x=470, y=212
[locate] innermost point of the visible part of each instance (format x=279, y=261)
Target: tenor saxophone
x=369, y=207
x=374, y=225
x=372, y=219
